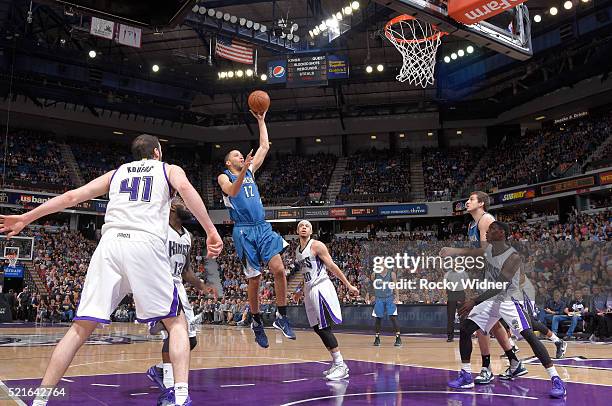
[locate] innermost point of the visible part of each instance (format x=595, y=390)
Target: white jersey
x=310, y=265
x=494, y=275
x=179, y=247
x=139, y=198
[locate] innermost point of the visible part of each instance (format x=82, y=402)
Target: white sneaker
x=328, y=370
x=338, y=372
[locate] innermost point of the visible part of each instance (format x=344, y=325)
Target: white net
x=418, y=43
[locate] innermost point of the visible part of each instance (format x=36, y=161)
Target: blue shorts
x=256, y=244
x=384, y=305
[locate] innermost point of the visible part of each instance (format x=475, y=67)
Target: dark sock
x=511, y=356
x=257, y=318
x=282, y=310
x=486, y=361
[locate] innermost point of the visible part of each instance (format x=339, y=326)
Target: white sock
x=168, y=375
x=511, y=341
x=554, y=338
x=181, y=391
x=467, y=367
x=552, y=372
x=338, y=360
x=38, y=402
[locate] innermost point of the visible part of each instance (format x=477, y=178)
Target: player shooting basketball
x=254, y=239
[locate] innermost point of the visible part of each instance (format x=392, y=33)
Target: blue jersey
x=246, y=208
x=474, y=232
x=385, y=292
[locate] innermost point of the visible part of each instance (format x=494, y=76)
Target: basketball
x=259, y=101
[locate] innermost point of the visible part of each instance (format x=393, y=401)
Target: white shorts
x=487, y=313
x=189, y=316
x=129, y=261
x=319, y=298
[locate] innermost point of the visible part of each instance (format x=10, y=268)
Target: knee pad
x=193, y=341
x=327, y=336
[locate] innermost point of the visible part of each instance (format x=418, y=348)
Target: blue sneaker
x=463, y=381
x=510, y=374
x=558, y=388
x=260, y=335
x=157, y=376
x=166, y=398
x=282, y=323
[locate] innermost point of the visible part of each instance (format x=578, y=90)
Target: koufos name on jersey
x=179, y=247
x=246, y=207
x=311, y=266
x=139, y=198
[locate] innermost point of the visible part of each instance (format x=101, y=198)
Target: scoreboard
x=306, y=70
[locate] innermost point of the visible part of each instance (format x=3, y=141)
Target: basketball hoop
x=12, y=259
x=418, y=43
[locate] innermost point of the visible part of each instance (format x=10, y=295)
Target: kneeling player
x=320, y=297
x=494, y=304
x=179, y=248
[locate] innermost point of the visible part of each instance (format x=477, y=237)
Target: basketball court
x=227, y=367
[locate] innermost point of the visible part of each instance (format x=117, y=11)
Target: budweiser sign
x=472, y=11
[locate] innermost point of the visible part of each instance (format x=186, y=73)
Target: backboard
x=23, y=246
x=514, y=42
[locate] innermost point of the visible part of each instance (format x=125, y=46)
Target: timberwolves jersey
x=179, y=247
x=384, y=292
x=494, y=274
x=311, y=266
x=474, y=232
x=246, y=207
x=139, y=198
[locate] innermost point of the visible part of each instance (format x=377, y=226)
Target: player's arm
x=190, y=277
x=395, y=291
x=511, y=266
x=461, y=252
x=97, y=187
x=483, y=226
x=264, y=142
x=178, y=180
x=320, y=250
x=233, y=188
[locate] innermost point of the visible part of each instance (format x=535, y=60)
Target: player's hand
x=259, y=116
x=447, y=252
x=248, y=160
x=214, y=245
x=353, y=290
x=12, y=225
x=466, y=308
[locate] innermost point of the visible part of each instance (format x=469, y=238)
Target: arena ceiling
x=62, y=41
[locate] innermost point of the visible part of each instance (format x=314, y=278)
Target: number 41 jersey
x=139, y=198
x=311, y=266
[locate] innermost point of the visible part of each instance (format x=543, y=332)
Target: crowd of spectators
x=33, y=161
x=445, y=170
x=376, y=175
x=96, y=158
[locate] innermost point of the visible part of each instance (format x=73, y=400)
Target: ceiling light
x=233, y=19
x=461, y=52
x=239, y=73
x=211, y=12
x=380, y=67
x=402, y=135
x=369, y=69
x=537, y=18
x=217, y=146
x=430, y=134
x=118, y=132
x=453, y=56
x=219, y=15
x=553, y=11
x=447, y=59
x=348, y=10
x=470, y=49
x=230, y=74
x=264, y=77
x=155, y=68
x=539, y=118
x=92, y=54
x=249, y=72
x=256, y=26
x=227, y=16
x=568, y=5
x=355, y=5
x=318, y=140
x=163, y=140
x=373, y=137
x=459, y=132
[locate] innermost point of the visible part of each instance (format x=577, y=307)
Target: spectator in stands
x=554, y=306
x=573, y=312
x=24, y=303
x=595, y=317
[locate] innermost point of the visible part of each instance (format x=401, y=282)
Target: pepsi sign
x=277, y=71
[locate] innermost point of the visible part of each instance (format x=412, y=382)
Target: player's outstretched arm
x=320, y=250
x=264, y=142
x=233, y=188
x=12, y=225
x=193, y=201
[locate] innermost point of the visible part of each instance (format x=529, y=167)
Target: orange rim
x=405, y=17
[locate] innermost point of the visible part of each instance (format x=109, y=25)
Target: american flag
x=234, y=50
